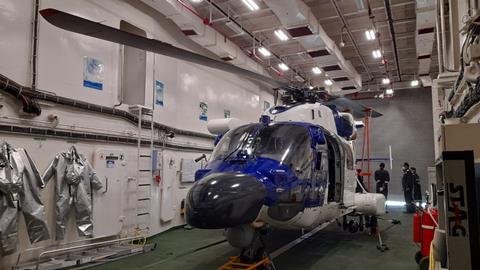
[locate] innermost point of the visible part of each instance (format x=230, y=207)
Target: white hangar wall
x=60, y=71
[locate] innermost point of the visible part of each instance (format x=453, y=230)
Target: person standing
x=360, y=186
x=417, y=189
x=407, y=185
x=382, y=177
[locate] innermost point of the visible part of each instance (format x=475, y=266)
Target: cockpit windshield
x=286, y=143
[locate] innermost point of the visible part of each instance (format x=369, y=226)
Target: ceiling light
x=328, y=82
x=251, y=5
x=386, y=81
x=283, y=67
x=310, y=87
x=264, y=52
x=196, y=1
x=414, y=83
x=370, y=34
x=376, y=53
x=316, y=70
x=281, y=35
x=389, y=91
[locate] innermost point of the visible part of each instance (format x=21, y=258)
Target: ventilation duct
x=184, y=16
x=302, y=25
x=424, y=37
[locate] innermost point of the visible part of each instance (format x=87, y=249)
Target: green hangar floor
x=332, y=248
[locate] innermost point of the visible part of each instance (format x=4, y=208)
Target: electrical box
x=111, y=168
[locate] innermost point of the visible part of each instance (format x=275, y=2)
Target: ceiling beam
x=339, y=13
x=388, y=11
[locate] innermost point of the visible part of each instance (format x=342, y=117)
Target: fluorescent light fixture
x=376, y=53
x=283, y=67
x=328, y=82
x=281, y=35
x=264, y=52
x=316, y=70
x=389, y=91
x=310, y=87
x=196, y=1
x=370, y=34
x=251, y=4
x=386, y=81
x=414, y=83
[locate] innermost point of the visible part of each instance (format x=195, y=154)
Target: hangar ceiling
x=358, y=15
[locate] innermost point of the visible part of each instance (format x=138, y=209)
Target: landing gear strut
x=253, y=253
x=256, y=250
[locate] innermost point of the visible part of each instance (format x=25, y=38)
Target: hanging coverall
x=74, y=180
x=20, y=185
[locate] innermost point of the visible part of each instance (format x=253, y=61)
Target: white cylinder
x=222, y=125
x=370, y=203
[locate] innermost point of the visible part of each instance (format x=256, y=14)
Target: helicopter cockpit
x=287, y=143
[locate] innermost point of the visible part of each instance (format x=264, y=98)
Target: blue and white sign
x=93, y=70
x=159, y=89
x=203, y=111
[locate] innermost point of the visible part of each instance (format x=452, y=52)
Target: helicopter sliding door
x=336, y=160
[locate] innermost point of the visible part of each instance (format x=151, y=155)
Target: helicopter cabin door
x=336, y=160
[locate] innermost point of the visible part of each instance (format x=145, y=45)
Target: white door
x=111, y=168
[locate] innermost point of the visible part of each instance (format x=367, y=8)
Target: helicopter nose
x=224, y=200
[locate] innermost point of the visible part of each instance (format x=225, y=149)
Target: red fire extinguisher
x=157, y=178
x=417, y=227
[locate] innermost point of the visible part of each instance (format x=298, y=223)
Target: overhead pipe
x=252, y=36
x=18, y=90
x=35, y=43
x=388, y=10
x=339, y=13
x=439, y=43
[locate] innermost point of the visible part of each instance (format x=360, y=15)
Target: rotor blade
x=86, y=27
x=344, y=92
x=358, y=110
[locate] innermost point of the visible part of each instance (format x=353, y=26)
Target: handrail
x=83, y=246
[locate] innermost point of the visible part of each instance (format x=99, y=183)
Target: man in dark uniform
x=407, y=184
x=417, y=189
x=382, y=177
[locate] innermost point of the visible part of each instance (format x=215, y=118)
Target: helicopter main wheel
x=424, y=263
x=361, y=226
x=418, y=256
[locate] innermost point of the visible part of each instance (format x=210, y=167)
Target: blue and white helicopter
x=294, y=169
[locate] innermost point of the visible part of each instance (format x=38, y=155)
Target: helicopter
x=293, y=170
